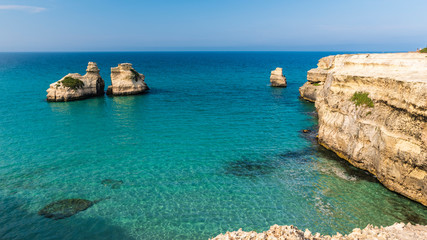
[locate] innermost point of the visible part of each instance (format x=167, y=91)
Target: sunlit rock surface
x=277, y=78
x=125, y=80
x=388, y=138
x=91, y=84
x=396, y=231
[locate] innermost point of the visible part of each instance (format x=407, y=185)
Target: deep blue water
x=212, y=148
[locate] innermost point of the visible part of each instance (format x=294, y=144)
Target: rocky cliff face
x=316, y=78
x=373, y=112
x=75, y=86
x=277, y=78
x=126, y=81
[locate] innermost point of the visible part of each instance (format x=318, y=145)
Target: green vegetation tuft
x=361, y=98
x=316, y=84
x=424, y=50
x=72, y=83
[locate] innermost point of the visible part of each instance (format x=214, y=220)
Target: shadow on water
x=246, y=167
x=17, y=223
x=403, y=210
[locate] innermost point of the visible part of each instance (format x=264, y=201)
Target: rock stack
x=277, y=78
x=75, y=86
x=125, y=80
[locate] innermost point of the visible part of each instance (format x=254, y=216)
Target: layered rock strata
x=397, y=231
x=277, y=79
x=372, y=112
x=74, y=86
x=316, y=78
x=125, y=80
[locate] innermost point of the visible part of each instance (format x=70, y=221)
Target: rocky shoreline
x=396, y=231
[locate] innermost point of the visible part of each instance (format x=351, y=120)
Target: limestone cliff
x=277, y=78
x=373, y=112
x=75, y=86
x=126, y=81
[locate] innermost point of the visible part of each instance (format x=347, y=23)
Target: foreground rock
x=126, y=81
x=277, y=78
x=373, y=112
x=397, y=231
x=75, y=86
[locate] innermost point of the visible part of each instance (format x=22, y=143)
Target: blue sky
x=187, y=25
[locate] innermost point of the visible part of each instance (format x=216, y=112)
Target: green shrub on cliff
x=362, y=98
x=72, y=83
x=424, y=50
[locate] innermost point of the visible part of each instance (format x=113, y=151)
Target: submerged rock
x=125, y=80
x=277, y=78
x=65, y=208
x=250, y=168
x=74, y=86
x=114, y=184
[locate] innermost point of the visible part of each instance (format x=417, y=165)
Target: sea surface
x=211, y=148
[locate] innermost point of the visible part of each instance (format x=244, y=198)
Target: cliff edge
x=373, y=112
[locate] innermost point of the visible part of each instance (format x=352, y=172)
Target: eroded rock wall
x=388, y=139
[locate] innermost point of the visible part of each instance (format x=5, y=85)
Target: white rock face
x=277, y=78
x=398, y=231
x=126, y=81
x=388, y=139
x=92, y=85
x=316, y=78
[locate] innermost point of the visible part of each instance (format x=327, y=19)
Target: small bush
x=316, y=84
x=361, y=98
x=424, y=50
x=72, y=83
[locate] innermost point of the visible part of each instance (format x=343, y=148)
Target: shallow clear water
x=212, y=148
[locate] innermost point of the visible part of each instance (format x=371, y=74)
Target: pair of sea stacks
x=277, y=78
x=125, y=80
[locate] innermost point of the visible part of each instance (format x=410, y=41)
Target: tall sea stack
x=125, y=80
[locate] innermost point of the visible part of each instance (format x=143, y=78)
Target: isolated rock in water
x=75, y=86
x=126, y=81
x=114, y=184
x=277, y=78
x=65, y=208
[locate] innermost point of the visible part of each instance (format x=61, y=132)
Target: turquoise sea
x=211, y=148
